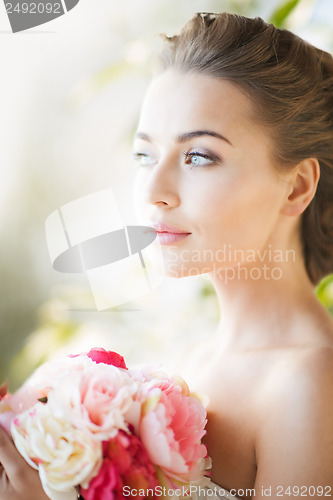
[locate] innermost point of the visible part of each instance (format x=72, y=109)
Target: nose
x=162, y=183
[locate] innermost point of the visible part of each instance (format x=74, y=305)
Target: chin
x=175, y=270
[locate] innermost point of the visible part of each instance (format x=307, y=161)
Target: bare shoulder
x=303, y=371
x=301, y=378
x=295, y=432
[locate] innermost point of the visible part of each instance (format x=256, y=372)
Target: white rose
x=65, y=456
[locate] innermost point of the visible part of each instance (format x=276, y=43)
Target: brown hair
x=291, y=85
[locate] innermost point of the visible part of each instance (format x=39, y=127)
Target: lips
x=161, y=227
x=169, y=235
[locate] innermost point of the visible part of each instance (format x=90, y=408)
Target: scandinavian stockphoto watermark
x=88, y=236
x=25, y=14
x=228, y=263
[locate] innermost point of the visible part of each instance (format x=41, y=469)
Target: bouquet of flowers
x=93, y=427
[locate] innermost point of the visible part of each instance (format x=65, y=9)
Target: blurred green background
x=70, y=100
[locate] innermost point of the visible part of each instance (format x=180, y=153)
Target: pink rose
x=105, y=396
x=125, y=463
x=171, y=430
x=100, y=355
x=96, y=400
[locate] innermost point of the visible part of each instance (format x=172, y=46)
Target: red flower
x=100, y=355
x=3, y=390
x=126, y=466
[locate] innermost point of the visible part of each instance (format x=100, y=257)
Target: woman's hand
x=18, y=481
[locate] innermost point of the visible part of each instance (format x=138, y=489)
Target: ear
x=303, y=185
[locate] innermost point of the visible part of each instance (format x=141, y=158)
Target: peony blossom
x=65, y=456
x=88, y=422
x=171, y=429
x=50, y=373
x=125, y=463
x=13, y=404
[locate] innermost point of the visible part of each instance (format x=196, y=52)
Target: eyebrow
x=186, y=136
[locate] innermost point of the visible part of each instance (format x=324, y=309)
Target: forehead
x=177, y=102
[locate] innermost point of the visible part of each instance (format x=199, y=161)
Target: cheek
x=238, y=211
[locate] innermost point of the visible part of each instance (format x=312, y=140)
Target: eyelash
x=140, y=156
x=213, y=159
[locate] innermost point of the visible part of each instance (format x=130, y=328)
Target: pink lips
x=167, y=235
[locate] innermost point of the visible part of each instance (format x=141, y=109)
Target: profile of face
x=205, y=171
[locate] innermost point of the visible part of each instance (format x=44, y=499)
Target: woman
x=235, y=171
x=235, y=148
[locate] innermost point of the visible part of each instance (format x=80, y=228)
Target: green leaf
x=280, y=15
x=324, y=292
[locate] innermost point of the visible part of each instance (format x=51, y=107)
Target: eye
x=200, y=159
x=144, y=159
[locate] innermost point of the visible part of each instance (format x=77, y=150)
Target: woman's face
x=204, y=170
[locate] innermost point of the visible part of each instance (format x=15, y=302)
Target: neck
x=261, y=301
